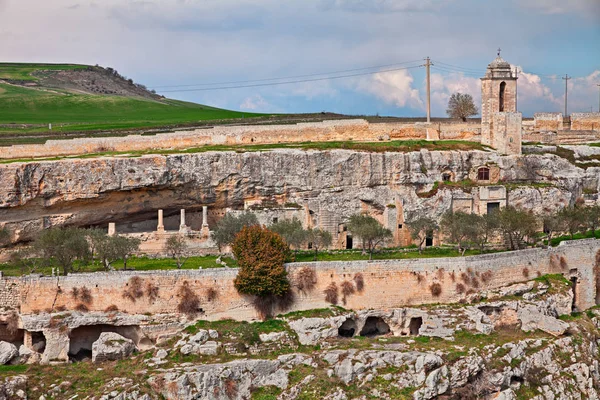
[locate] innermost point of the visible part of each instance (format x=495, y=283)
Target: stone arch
x=502, y=96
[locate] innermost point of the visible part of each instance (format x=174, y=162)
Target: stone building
x=500, y=121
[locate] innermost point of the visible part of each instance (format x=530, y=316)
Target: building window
x=483, y=174
x=446, y=177
x=493, y=207
x=275, y=220
x=399, y=226
x=501, y=99
x=511, y=140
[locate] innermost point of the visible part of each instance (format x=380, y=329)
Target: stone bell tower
x=500, y=121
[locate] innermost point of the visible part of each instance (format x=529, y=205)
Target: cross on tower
x=499, y=50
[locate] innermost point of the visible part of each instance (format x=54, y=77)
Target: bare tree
x=319, y=239
x=176, y=246
x=461, y=106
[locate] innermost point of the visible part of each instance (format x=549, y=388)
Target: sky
x=162, y=43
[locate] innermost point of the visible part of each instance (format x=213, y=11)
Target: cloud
x=393, y=88
x=254, y=103
x=384, y=6
x=534, y=95
x=443, y=86
x=587, y=8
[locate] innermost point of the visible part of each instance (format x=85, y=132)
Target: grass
x=135, y=263
x=23, y=71
x=582, y=235
x=70, y=112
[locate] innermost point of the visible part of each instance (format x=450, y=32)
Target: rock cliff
x=87, y=192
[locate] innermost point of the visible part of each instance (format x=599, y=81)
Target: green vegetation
x=70, y=112
x=23, y=71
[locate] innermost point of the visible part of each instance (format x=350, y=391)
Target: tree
x=370, y=231
x=516, y=225
x=420, y=228
x=552, y=223
x=319, y=239
x=292, y=232
x=64, y=246
x=176, y=246
x=461, y=106
x=95, y=238
x=123, y=247
x=229, y=226
x=573, y=219
x=460, y=227
x=592, y=217
x=487, y=225
x=261, y=254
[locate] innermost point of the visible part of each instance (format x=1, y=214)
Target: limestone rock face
x=111, y=346
x=96, y=191
x=8, y=351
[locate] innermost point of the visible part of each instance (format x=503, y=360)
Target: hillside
x=79, y=98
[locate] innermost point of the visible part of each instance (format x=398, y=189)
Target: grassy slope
x=22, y=71
x=80, y=112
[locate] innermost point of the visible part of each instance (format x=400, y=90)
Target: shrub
x=487, y=276
x=211, y=294
x=347, y=290
x=525, y=272
x=305, y=279
x=435, y=289
x=359, y=281
x=452, y=276
x=82, y=307
x=475, y=282
x=151, y=291
x=260, y=254
x=460, y=288
x=466, y=278
x=111, y=308
x=331, y=293
x=231, y=388
x=61, y=308
x=419, y=277
x=82, y=294
x=554, y=262
x=134, y=289
x=189, y=303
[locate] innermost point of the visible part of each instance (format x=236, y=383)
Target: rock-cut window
x=483, y=174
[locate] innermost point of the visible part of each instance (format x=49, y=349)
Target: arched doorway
x=501, y=99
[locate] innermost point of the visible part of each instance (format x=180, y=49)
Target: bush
x=460, y=288
x=331, y=293
x=525, y=272
x=486, y=276
x=82, y=307
x=134, y=289
x=189, y=303
x=347, y=290
x=82, y=294
x=211, y=294
x=260, y=254
x=111, y=308
x=359, y=281
x=151, y=291
x=435, y=289
x=305, y=279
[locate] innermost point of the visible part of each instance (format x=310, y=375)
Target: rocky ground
x=519, y=342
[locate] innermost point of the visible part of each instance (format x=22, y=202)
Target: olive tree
x=460, y=228
x=176, y=247
x=229, y=226
x=64, y=246
x=369, y=230
x=292, y=232
x=516, y=225
x=419, y=228
x=319, y=239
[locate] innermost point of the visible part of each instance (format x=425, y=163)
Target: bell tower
x=499, y=108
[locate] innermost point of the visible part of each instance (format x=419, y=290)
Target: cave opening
x=348, y=328
x=375, y=326
x=415, y=325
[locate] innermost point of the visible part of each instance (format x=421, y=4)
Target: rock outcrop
x=111, y=346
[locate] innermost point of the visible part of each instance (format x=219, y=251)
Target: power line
x=288, y=77
x=469, y=74
x=450, y=66
x=290, y=82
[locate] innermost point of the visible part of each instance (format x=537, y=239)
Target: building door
x=491, y=207
x=429, y=239
x=348, y=242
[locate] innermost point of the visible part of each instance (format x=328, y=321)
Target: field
x=22, y=71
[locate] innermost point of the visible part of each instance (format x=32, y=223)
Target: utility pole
x=598, y=97
x=566, y=78
x=427, y=65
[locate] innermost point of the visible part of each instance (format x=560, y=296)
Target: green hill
x=78, y=98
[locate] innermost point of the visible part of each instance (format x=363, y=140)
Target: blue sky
x=179, y=42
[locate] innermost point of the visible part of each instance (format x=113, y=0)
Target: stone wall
x=585, y=121
x=548, y=121
x=10, y=290
x=339, y=130
x=388, y=283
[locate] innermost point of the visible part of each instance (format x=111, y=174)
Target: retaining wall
x=339, y=130
x=388, y=283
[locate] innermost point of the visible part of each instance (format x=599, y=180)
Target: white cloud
x=534, y=95
x=587, y=8
x=384, y=6
x=254, y=103
x=443, y=86
x=393, y=88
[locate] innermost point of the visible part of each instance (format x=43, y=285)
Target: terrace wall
x=388, y=283
x=339, y=130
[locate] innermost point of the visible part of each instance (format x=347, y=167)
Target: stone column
x=161, y=226
x=112, y=229
x=205, y=231
x=182, y=226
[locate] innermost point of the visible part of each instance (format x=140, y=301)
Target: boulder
x=532, y=319
x=311, y=330
x=8, y=351
x=57, y=346
x=111, y=346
